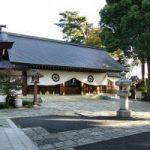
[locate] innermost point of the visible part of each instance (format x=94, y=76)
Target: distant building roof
x=30, y=50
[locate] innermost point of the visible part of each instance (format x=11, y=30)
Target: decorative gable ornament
x=55, y=77
x=90, y=78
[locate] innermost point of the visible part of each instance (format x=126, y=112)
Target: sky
x=38, y=17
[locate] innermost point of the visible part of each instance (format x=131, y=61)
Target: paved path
x=84, y=106
x=133, y=142
x=12, y=138
x=77, y=104
x=70, y=139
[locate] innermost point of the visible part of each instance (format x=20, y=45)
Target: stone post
x=124, y=93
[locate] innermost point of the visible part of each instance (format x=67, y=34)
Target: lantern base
x=123, y=113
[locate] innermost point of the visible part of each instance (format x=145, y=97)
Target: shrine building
x=66, y=68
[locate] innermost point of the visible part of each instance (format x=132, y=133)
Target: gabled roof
x=41, y=51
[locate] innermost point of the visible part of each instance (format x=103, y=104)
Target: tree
x=77, y=29
x=126, y=26
x=93, y=38
x=119, y=56
x=9, y=85
x=74, y=27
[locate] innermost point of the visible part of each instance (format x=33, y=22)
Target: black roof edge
x=52, y=40
x=40, y=66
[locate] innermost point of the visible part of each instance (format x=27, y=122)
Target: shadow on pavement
x=133, y=142
x=57, y=123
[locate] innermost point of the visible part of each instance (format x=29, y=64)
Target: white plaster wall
x=137, y=71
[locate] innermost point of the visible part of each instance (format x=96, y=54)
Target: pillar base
x=123, y=113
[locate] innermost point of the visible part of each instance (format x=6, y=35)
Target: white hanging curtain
x=113, y=79
x=58, y=77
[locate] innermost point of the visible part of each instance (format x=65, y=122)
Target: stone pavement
x=77, y=104
x=12, y=138
x=70, y=139
x=83, y=106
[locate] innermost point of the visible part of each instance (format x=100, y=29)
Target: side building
x=66, y=68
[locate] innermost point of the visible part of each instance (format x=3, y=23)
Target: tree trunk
x=24, y=83
x=143, y=73
x=148, y=84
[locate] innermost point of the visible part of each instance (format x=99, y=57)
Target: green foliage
x=74, y=27
x=10, y=100
x=93, y=38
x=126, y=26
x=143, y=89
x=119, y=56
x=3, y=105
x=77, y=29
x=9, y=86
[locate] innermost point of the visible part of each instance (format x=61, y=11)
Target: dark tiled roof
x=134, y=78
x=4, y=64
x=41, y=51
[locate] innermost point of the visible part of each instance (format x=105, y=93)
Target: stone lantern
x=124, y=93
x=35, y=80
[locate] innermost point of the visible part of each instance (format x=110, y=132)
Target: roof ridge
x=53, y=40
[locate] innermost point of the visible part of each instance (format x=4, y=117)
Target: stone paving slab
x=84, y=136
x=3, y=140
x=4, y=123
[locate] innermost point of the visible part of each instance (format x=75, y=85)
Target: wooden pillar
x=82, y=88
x=97, y=90
x=100, y=89
x=24, y=83
x=62, y=89
x=35, y=94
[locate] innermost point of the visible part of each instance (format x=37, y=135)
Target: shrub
x=3, y=105
x=10, y=100
x=28, y=104
x=143, y=89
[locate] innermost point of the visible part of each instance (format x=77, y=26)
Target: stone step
x=14, y=139
x=18, y=139
x=4, y=141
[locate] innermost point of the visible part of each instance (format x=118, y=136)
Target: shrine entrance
x=72, y=87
